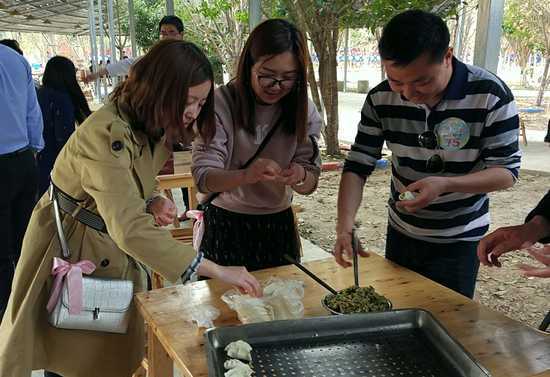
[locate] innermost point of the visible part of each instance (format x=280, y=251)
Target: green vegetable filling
x=357, y=300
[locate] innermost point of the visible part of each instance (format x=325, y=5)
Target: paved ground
x=536, y=154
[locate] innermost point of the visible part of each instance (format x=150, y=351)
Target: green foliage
x=370, y=14
x=374, y=14
x=220, y=27
x=213, y=9
x=148, y=14
x=538, y=19
x=525, y=23
x=242, y=16
x=516, y=26
x=193, y=34
x=274, y=9
x=121, y=14
x=217, y=67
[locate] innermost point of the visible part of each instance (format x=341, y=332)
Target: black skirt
x=253, y=241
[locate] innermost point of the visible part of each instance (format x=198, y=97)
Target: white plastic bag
x=204, y=315
x=282, y=299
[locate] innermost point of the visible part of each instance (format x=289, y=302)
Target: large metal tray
x=398, y=343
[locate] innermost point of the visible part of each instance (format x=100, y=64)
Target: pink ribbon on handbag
x=62, y=268
x=198, y=227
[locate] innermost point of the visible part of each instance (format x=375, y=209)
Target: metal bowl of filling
x=356, y=300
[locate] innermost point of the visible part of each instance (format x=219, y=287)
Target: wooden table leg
x=159, y=362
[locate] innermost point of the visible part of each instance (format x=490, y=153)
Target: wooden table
x=505, y=347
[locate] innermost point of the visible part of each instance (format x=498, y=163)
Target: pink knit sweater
x=231, y=148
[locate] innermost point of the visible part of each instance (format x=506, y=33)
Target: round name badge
x=452, y=134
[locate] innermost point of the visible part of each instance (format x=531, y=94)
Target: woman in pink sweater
x=264, y=150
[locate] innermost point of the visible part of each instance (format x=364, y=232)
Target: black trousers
x=17, y=199
x=454, y=265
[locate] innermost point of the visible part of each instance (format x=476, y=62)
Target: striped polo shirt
x=484, y=105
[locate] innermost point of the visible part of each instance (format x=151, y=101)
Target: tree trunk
x=543, y=81
x=524, y=76
x=523, y=60
x=378, y=35
x=329, y=88
x=382, y=71
x=119, y=28
x=314, y=90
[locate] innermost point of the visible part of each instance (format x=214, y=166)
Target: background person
x=63, y=106
x=170, y=27
x=20, y=138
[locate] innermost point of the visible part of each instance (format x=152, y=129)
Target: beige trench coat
x=113, y=169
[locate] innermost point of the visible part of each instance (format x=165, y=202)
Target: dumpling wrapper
x=407, y=195
x=239, y=350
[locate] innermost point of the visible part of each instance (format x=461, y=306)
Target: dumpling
x=237, y=368
x=240, y=371
x=407, y=195
x=234, y=363
x=239, y=350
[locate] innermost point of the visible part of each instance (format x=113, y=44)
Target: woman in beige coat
x=109, y=164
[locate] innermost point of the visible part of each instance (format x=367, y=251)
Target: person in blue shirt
x=63, y=106
x=20, y=139
x=13, y=44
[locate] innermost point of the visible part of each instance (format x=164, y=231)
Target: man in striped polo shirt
x=453, y=132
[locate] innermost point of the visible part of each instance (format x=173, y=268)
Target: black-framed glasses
x=267, y=82
x=434, y=164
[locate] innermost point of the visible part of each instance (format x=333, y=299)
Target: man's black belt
x=74, y=208
x=14, y=154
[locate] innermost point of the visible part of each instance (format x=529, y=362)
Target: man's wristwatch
x=303, y=180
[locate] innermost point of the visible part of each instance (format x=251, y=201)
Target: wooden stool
x=522, y=130
x=526, y=110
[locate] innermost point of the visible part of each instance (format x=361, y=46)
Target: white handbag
x=105, y=302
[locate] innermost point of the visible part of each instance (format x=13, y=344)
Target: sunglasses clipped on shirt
x=435, y=164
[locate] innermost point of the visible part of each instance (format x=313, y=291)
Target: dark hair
x=411, y=34
x=60, y=74
x=154, y=95
x=270, y=38
x=172, y=20
x=13, y=44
